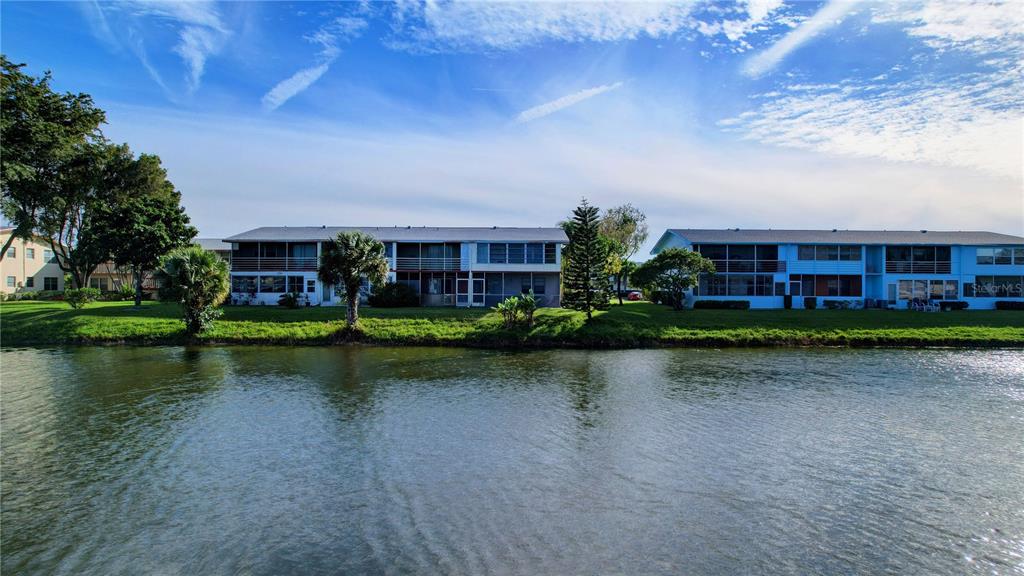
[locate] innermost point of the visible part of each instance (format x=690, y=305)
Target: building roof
x=738, y=236
x=213, y=244
x=402, y=234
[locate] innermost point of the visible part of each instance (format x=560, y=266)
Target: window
x=493, y=284
x=516, y=253
x=780, y=288
x=929, y=289
x=968, y=289
x=826, y=253
x=950, y=290
x=482, y=253
x=849, y=252
x=389, y=249
x=30, y=282
x=848, y=285
x=295, y=283
x=525, y=284
x=50, y=283
x=1003, y=256
x=310, y=286
x=272, y=250
x=999, y=256
x=985, y=256
x=98, y=283
x=897, y=253
x=805, y=253
x=499, y=253
x=11, y=281
x=539, y=285
x=534, y=253
x=272, y=284
x=1018, y=256
x=12, y=252
x=305, y=250
x=30, y=253
x=243, y=284
x=550, y=249
x=48, y=256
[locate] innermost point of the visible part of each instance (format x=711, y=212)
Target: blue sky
x=757, y=113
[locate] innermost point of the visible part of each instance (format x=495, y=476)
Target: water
x=380, y=460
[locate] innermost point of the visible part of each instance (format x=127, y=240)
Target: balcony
x=259, y=264
x=749, y=266
x=902, y=267
x=405, y=264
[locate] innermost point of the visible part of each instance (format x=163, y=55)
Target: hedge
x=721, y=305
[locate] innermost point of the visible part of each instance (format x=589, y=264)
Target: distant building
x=109, y=276
x=29, y=266
x=867, y=266
x=444, y=266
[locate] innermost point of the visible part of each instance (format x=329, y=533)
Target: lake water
x=403, y=460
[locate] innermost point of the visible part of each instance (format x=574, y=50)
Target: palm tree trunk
x=353, y=307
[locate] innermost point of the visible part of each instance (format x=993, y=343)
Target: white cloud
x=292, y=174
x=973, y=25
x=973, y=121
x=563, y=102
x=329, y=37
x=823, y=19
x=509, y=25
x=201, y=32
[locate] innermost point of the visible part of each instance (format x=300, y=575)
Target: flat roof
x=743, y=236
x=402, y=234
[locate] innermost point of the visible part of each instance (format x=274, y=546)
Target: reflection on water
x=362, y=460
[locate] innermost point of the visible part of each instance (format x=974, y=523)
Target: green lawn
x=632, y=325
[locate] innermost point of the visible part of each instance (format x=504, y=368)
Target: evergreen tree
x=585, y=281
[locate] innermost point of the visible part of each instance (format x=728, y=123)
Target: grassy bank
x=633, y=325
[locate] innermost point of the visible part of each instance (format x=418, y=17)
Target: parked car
x=634, y=296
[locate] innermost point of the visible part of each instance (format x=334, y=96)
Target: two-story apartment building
x=445, y=266
x=868, y=266
x=28, y=266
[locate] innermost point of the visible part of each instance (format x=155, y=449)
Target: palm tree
x=349, y=258
x=198, y=280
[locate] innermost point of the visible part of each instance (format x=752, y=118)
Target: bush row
x=1009, y=305
x=721, y=305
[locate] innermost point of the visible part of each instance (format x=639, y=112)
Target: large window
x=828, y=252
x=736, y=285
x=998, y=286
x=1000, y=256
x=272, y=284
x=918, y=259
x=243, y=284
x=516, y=253
x=296, y=283
x=848, y=285
x=928, y=289
x=50, y=283
x=742, y=258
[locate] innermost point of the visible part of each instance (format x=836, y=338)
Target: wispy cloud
x=328, y=37
x=563, y=102
x=201, y=32
x=825, y=18
x=972, y=25
x=911, y=121
x=469, y=26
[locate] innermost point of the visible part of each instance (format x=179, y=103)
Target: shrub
x=79, y=297
x=198, y=280
x=1009, y=305
x=509, y=310
x=527, y=306
x=393, y=295
x=289, y=300
x=126, y=291
x=837, y=304
x=810, y=302
x=721, y=305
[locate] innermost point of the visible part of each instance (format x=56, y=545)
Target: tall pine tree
x=585, y=282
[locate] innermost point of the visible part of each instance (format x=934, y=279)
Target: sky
x=749, y=114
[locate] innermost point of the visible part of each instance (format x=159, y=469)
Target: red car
x=634, y=296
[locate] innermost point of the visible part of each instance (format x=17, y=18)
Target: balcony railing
x=256, y=264
x=749, y=266
x=900, y=267
x=428, y=263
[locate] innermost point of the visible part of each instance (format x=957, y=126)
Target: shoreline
x=629, y=327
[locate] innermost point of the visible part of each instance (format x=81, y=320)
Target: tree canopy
x=674, y=271
x=349, y=258
x=585, y=279
x=43, y=134
x=625, y=228
x=198, y=280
